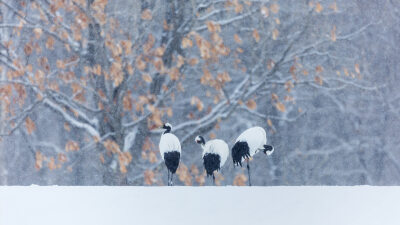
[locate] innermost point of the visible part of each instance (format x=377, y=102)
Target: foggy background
x=85, y=84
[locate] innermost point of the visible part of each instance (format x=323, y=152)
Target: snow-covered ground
x=199, y=205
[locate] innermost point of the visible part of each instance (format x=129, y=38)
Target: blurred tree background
x=85, y=84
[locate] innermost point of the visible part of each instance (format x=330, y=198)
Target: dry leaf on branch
x=256, y=35
x=146, y=15
x=240, y=180
x=186, y=42
x=280, y=106
x=318, y=7
x=71, y=146
x=265, y=11
x=251, y=104
x=274, y=8
x=333, y=34
x=275, y=34
x=30, y=125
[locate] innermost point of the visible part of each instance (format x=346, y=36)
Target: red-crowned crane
x=170, y=150
x=215, y=154
x=249, y=143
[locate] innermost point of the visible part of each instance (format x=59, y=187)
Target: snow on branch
x=227, y=21
x=91, y=130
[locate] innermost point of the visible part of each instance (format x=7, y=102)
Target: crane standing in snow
x=215, y=154
x=170, y=150
x=249, y=143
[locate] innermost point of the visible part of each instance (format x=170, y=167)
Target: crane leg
x=172, y=176
x=248, y=171
x=213, y=179
x=168, y=179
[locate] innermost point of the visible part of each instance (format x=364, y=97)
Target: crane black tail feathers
x=240, y=151
x=268, y=149
x=211, y=163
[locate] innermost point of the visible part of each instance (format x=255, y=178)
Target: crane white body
x=218, y=147
x=256, y=138
x=248, y=144
x=170, y=151
x=168, y=143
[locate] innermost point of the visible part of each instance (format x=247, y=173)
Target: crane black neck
x=168, y=130
x=201, y=141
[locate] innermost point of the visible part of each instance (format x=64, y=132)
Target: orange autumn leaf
x=318, y=7
x=122, y=168
x=212, y=136
x=71, y=146
x=180, y=61
x=101, y=157
x=240, y=180
x=184, y=174
x=193, y=61
x=39, y=158
x=174, y=73
x=127, y=46
x=127, y=102
x=28, y=49
x=256, y=35
x=275, y=34
x=333, y=34
x=237, y=39
x=97, y=69
x=319, y=69
x=280, y=107
x=60, y=64
x=265, y=11
x=357, y=68
x=238, y=7
x=159, y=51
x=149, y=177
x=147, y=78
x=169, y=112
x=274, y=8
x=186, y=42
x=67, y=127
x=146, y=15
x=38, y=32
x=201, y=179
x=251, y=104
x=269, y=122
x=213, y=27
x=149, y=44
x=140, y=64
x=50, y=43
x=62, y=158
x=346, y=72
x=130, y=69
x=124, y=159
x=111, y=146
x=204, y=47
x=52, y=164
x=318, y=80
x=274, y=96
x=30, y=125
x=194, y=170
x=152, y=157
x=196, y=101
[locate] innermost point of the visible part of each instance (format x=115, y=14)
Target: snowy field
x=199, y=205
